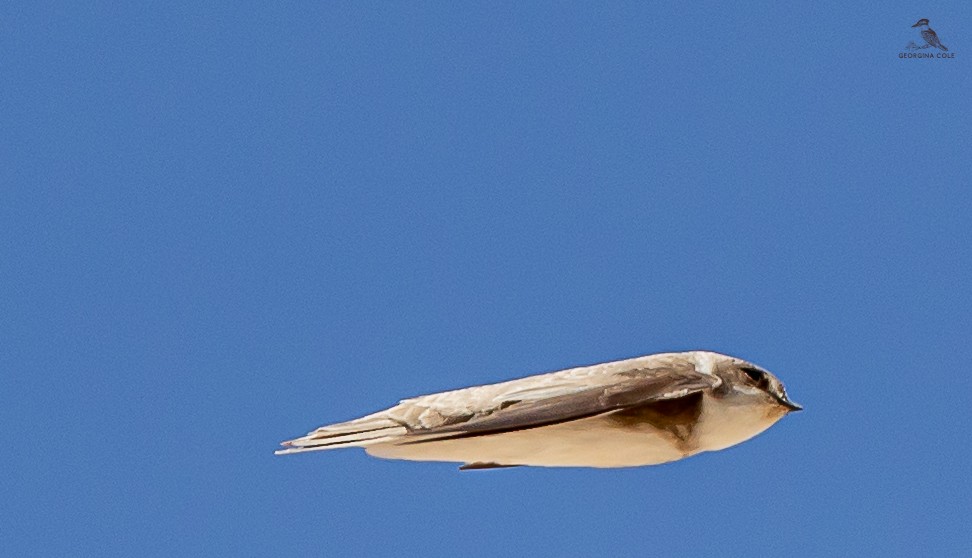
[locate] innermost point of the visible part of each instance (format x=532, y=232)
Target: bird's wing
x=930, y=37
x=549, y=398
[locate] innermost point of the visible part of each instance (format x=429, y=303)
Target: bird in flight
x=640, y=411
x=929, y=35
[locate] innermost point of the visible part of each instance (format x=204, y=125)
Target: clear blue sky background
x=223, y=226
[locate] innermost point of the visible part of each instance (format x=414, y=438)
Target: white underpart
x=734, y=419
x=592, y=442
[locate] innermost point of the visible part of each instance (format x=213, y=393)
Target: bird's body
x=928, y=35
x=642, y=411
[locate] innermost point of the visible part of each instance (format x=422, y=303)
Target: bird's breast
x=724, y=423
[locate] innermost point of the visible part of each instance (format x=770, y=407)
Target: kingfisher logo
x=926, y=44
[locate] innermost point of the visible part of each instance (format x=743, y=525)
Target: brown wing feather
x=479, y=466
x=633, y=388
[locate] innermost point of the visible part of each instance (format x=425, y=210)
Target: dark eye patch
x=757, y=376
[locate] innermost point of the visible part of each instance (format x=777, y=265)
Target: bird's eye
x=757, y=376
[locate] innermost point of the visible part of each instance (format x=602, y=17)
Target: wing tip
x=288, y=446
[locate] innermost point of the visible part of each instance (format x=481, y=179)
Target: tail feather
x=356, y=433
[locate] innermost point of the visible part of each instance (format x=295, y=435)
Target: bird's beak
x=791, y=406
x=917, y=24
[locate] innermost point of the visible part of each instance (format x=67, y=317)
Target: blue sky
x=221, y=226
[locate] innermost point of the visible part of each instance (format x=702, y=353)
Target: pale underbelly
x=593, y=442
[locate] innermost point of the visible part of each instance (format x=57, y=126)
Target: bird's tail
x=943, y=47
x=361, y=432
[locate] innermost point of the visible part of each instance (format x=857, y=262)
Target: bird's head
x=921, y=22
x=752, y=381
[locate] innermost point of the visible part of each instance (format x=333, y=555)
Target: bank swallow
x=640, y=411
